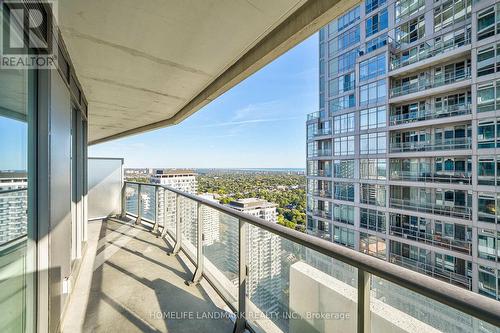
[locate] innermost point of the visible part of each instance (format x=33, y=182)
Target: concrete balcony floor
x=126, y=279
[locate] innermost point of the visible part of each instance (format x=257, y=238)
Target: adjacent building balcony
x=423, y=84
x=324, y=193
x=418, y=146
x=460, y=280
x=425, y=51
x=320, y=173
x=324, y=152
x=449, y=209
x=317, y=115
x=326, y=214
x=433, y=177
x=449, y=243
x=430, y=113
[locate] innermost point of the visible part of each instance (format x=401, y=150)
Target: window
x=371, y=5
x=343, y=214
x=376, y=23
x=344, y=62
x=486, y=170
x=486, y=134
x=451, y=12
x=373, y=143
x=373, y=194
x=487, y=244
x=341, y=103
x=486, y=207
x=488, y=97
x=375, y=43
x=343, y=169
x=343, y=191
x=343, y=146
x=372, y=93
x=487, y=282
x=372, y=219
x=372, y=118
x=343, y=123
x=411, y=31
x=486, y=23
x=349, y=18
x=343, y=236
x=405, y=8
x=372, y=67
x=342, y=84
x=486, y=60
x=373, y=168
x=372, y=245
x=348, y=38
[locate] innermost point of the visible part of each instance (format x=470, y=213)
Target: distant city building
x=13, y=205
x=264, y=285
x=210, y=220
x=183, y=180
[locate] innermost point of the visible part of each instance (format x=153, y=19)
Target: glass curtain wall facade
x=412, y=164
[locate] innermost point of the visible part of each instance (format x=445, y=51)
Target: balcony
x=432, y=239
x=450, y=178
x=428, y=51
x=450, y=210
x=322, y=213
x=429, y=83
x=320, y=173
x=320, y=132
x=428, y=114
x=448, y=144
x=326, y=152
x=425, y=268
x=317, y=115
x=218, y=276
x=322, y=193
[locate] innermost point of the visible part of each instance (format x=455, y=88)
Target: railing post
x=240, y=324
x=139, y=199
x=198, y=273
x=157, y=208
x=363, y=301
x=178, y=231
x=123, y=213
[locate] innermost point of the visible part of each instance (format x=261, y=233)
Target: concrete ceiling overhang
x=152, y=63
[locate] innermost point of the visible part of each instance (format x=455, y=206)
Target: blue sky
x=13, y=144
x=260, y=123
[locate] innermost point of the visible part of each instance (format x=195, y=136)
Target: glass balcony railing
x=429, y=83
x=426, y=268
x=320, y=173
x=322, y=213
x=428, y=51
x=450, y=209
x=322, y=193
x=449, y=144
x=322, y=132
x=432, y=239
x=432, y=113
x=262, y=269
x=451, y=178
x=322, y=152
x=317, y=115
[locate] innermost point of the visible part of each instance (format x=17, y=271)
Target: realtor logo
x=27, y=35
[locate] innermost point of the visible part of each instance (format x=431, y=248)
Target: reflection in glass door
x=17, y=224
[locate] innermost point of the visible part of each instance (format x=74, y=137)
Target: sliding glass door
x=17, y=193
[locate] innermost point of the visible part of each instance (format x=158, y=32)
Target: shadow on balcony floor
x=128, y=283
